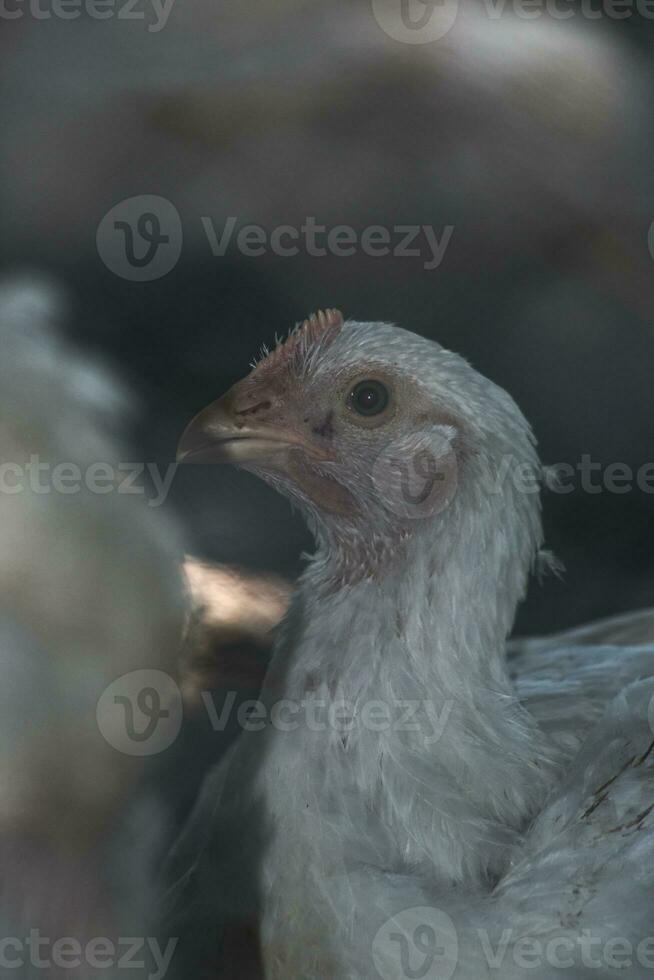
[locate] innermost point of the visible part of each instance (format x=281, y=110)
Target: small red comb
x=319, y=328
x=315, y=325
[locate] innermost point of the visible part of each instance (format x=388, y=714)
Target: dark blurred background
x=532, y=138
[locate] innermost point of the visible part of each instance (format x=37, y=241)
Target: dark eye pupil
x=369, y=397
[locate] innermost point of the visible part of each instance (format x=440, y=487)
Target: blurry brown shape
x=229, y=631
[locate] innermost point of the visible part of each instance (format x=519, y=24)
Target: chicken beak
x=222, y=434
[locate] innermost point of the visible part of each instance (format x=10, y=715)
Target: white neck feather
x=451, y=766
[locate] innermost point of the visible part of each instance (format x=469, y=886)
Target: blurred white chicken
x=89, y=591
x=411, y=812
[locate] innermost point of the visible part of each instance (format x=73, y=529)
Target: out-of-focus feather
x=89, y=590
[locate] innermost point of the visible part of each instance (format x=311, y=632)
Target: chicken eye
x=368, y=398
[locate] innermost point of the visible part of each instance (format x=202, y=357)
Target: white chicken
x=410, y=810
x=90, y=591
